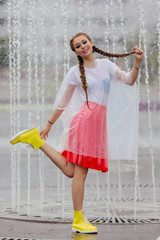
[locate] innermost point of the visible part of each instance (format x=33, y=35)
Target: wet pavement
x=33, y=230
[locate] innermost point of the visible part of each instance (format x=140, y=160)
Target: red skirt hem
x=86, y=161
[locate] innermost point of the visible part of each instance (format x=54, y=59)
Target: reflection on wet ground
x=79, y=236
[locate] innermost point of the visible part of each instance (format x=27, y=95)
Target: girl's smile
x=85, y=50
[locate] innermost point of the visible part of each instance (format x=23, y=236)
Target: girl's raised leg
x=59, y=160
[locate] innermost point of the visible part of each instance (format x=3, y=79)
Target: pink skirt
x=87, y=140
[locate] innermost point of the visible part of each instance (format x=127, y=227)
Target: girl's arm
x=58, y=111
x=55, y=115
x=137, y=64
x=130, y=77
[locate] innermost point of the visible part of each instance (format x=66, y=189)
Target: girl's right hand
x=45, y=131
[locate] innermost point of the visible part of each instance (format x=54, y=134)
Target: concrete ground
x=36, y=230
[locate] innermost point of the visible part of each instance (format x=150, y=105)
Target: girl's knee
x=70, y=170
x=70, y=175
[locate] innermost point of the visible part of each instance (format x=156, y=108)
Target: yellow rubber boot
x=81, y=224
x=29, y=136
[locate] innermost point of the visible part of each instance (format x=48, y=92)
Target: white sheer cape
x=122, y=112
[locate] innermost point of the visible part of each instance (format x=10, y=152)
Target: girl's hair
x=95, y=49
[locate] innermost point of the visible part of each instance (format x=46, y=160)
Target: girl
x=91, y=95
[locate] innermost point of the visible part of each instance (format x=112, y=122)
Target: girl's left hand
x=138, y=56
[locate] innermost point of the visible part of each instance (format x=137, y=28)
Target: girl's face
x=82, y=46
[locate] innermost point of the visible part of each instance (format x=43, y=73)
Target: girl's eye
x=78, y=46
x=84, y=42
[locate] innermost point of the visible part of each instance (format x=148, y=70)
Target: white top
x=98, y=80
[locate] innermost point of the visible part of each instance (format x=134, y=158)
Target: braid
x=83, y=77
x=106, y=54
